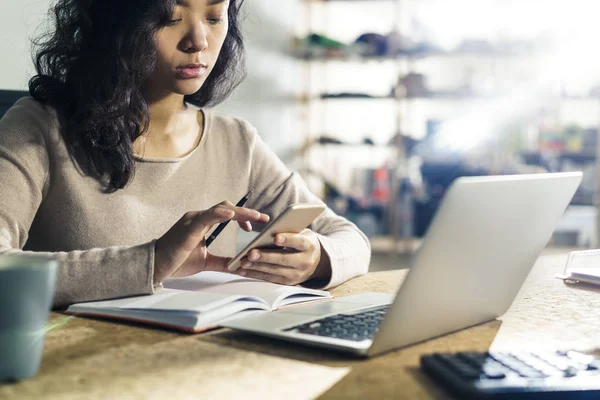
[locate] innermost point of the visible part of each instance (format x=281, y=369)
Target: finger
x=294, y=240
x=245, y=225
x=266, y=277
x=198, y=225
x=243, y=213
x=299, y=260
x=270, y=269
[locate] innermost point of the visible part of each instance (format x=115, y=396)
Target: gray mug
x=26, y=291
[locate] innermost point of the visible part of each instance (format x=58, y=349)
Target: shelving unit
x=365, y=156
x=403, y=117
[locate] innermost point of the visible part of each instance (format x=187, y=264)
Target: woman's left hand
x=305, y=261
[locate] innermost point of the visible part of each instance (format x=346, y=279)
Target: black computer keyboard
x=356, y=327
x=516, y=375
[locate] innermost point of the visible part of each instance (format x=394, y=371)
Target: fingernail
x=247, y=265
x=280, y=239
x=243, y=273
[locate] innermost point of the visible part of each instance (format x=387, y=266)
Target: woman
x=116, y=168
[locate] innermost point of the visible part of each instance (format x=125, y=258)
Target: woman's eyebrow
x=185, y=3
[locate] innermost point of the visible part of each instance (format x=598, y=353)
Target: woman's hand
x=305, y=261
x=182, y=250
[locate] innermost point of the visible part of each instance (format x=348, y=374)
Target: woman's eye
x=173, y=22
x=215, y=21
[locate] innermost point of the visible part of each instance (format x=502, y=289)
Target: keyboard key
x=494, y=373
x=475, y=358
x=578, y=357
x=594, y=366
x=461, y=367
x=355, y=327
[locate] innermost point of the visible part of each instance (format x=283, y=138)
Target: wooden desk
x=90, y=359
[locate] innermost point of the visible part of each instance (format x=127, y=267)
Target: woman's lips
x=191, y=71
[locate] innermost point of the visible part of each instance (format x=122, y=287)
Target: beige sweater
x=105, y=242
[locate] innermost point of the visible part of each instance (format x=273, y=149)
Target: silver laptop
x=480, y=247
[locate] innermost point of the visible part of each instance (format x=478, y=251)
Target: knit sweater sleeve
x=276, y=187
x=25, y=165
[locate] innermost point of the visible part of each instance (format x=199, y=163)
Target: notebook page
x=274, y=294
x=172, y=300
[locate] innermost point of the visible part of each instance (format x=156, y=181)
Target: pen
x=222, y=225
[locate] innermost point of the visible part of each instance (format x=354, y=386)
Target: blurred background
x=381, y=104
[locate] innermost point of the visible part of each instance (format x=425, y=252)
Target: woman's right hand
x=182, y=250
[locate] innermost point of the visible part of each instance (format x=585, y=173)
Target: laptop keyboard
x=356, y=327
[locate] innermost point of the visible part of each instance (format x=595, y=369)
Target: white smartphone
x=293, y=220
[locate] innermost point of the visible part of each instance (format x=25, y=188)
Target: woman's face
x=188, y=47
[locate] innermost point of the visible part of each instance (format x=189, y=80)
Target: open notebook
x=201, y=302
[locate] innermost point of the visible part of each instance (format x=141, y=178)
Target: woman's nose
x=196, y=40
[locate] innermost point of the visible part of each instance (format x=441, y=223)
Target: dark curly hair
x=91, y=68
